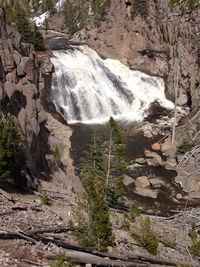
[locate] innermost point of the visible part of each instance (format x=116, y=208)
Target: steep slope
x=21, y=83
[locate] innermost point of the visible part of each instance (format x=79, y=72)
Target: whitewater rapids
x=89, y=89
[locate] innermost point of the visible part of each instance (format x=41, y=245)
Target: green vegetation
x=75, y=16
x=129, y=217
x=195, y=246
x=139, y=7
x=116, y=165
x=145, y=236
x=48, y=5
x=17, y=17
x=61, y=261
x=45, y=198
x=102, y=173
x=186, y=5
x=99, y=8
x=57, y=156
x=186, y=145
x=93, y=227
x=12, y=153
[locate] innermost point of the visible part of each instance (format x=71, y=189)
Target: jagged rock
x=128, y=180
x=25, y=67
x=9, y=88
x=146, y=192
x=155, y=160
x=20, y=80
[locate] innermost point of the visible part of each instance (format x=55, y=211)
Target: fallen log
x=51, y=229
x=14, y=234
x=82, y=257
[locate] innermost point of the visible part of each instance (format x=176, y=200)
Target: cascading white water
x=88, y=89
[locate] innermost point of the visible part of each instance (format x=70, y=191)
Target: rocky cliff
x=22, y=78
x=165, y=43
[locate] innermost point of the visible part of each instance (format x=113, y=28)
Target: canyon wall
x=22, y=78
x=166, y=43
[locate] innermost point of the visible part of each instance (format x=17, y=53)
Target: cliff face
x=152, y=44
x=21, y=81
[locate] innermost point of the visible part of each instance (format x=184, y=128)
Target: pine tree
x=48, y=5
x=23, y=25
x=95, y=229
x=116, y=165
x=37, y=39
x=12, y=156
x=94, y=160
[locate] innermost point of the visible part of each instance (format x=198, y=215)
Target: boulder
x=155, y=161
x=140, y=160
x=170, y=164
x=128, y=180
x=156, y=182
x=25, y=66
x=9, y=88
x=142, y=182
x=156, y=147
x=179, y=196
x=146, y=192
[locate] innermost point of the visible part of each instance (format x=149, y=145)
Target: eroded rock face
x=153, y=44
x=21, y=82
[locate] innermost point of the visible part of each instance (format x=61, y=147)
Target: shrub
x=12, y=152
x=62, y=262
x=145, y=236
x=195, y=246
x=57, y=156
x=185, y=146
x=45, y=198
x=139, y=7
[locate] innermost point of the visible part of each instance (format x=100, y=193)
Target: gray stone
x=156, y=182
x=146, y=192
x=24, y=67
x=128, y=180
x=195, y=194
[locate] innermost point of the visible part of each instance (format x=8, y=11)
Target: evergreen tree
x=94, y=160
x=48, y=5
x=140, y=7
x=116, y=164
x=37, y=39
x=12, y=156
x=23, y=25
x=94, y=226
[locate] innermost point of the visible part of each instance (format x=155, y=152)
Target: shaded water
x=135, y=143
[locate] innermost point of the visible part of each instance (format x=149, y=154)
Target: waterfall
x=89, y=89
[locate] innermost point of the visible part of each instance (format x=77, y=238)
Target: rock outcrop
x=165, y=42
x=21, y=82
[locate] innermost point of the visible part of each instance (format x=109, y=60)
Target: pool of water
x=136, y=143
